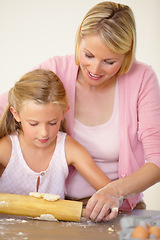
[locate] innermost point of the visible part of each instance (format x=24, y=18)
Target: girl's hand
x=104, y=204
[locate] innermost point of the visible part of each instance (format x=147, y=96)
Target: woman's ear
x=15, y=114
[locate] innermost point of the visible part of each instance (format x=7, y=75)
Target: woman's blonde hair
x=115, y=24
x=40, y=86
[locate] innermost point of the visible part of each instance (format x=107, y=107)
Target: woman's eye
x=88, y=55
x=109, y=63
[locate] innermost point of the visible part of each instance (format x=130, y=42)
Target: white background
x=31, y=31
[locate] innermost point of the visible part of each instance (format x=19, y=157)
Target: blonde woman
x=114, y=110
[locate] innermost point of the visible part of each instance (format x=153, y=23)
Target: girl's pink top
x=18, y=178
x=139, y=115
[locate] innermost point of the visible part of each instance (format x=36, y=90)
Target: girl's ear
x=65, y=111
x=15, y=114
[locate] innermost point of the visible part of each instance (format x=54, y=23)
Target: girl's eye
x=33, y=124
x=52, y=124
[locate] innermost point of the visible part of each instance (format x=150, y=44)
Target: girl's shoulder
x=70, y=142
x=74, y=150
x=5, y=150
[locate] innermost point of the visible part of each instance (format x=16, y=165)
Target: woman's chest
x=94, y=108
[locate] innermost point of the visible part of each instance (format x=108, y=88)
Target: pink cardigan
x=139, y=114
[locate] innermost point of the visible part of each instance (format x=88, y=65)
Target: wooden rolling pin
x=65, y=210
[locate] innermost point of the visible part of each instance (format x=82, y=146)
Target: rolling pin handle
x=83, y=212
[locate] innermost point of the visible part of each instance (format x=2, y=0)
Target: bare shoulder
x=74, y=150
x=71, y=143
x=5, y=150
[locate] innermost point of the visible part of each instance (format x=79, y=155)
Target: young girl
x=34, y=154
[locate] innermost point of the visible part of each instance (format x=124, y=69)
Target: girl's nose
x=44, y=131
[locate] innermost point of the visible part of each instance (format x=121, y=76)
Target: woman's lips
x=93, y=76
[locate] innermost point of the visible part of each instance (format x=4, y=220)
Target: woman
x=114, y=110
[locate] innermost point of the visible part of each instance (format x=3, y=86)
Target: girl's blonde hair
x=115, y=24
x=40, y=86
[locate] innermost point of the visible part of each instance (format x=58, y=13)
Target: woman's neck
x=81, y=82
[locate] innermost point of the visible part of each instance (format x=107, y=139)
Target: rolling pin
x=29, y=206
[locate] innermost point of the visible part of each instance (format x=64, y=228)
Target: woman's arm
x=110, y=196
x=79, y=157
x=3, y=102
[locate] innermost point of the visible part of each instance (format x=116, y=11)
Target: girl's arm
x=79, y=157
x=109, y=197
x=5, y=152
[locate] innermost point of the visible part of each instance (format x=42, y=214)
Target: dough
x=46, y=217
x=46, y=196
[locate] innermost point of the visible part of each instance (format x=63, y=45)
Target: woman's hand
x=104, y=204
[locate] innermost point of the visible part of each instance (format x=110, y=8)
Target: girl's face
x=40, y=122
x=97, y=62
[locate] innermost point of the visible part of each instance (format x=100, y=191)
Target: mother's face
x=97, y=62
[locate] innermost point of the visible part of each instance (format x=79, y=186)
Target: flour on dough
x=46, y=196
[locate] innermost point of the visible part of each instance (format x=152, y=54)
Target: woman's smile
x=93, y=76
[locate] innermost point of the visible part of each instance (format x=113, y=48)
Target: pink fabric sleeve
x=3, y=102
x=149, y=117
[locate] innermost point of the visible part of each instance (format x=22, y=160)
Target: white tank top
x=18, y=178
x=102, y=142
